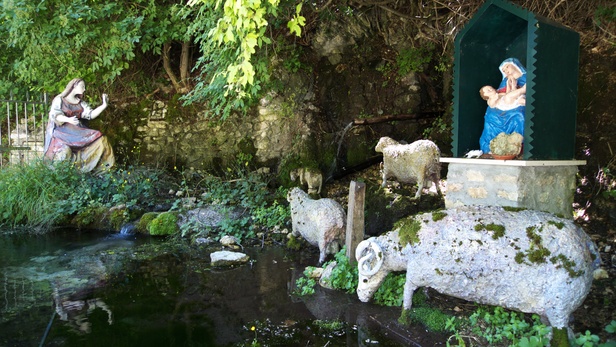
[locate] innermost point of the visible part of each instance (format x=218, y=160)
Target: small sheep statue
x=527, y=260
x=321, y=222
x=312, y=178
x=418, y=162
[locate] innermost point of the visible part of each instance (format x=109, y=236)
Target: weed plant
x=29, y=194
x=41, y=195
x=240, y=189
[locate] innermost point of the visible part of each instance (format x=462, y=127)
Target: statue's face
x=79, y=89
x=511, y=70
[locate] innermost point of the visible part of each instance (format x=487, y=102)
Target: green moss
x=558, y=225
x=144, y=221
x=560, y=338
x=533, y=236
x=567, y=264
x=90, y=216
x=519, y=257
x=497, y=229
x=513, y=209
x=293, y=243
x=433, y=319
x=118, y=217
x=539, y=255
x=438, y=215
x=408, y=228
x=164, y=224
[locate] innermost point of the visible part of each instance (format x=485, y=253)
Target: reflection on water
x=86, y=289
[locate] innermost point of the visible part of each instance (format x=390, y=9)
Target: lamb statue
x=312, y=178
x=524, y=260
x=418, y=162
x=321, y=222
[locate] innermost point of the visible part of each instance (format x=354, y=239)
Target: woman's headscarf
x=70, y=86
x=515, y=62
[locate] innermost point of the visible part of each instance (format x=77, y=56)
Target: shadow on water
x=87, y=289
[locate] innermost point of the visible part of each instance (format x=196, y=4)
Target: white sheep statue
x=418, y=162
x=312, y=178
x=524, y=260
x=321, y=222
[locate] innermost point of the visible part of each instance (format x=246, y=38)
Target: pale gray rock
x=227, y=258
x=526, y=260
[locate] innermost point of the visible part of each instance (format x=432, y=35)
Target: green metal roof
x=548, y=50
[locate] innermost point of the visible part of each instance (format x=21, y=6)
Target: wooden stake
x=355, y=219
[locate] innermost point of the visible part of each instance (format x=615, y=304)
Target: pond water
x=72, y=288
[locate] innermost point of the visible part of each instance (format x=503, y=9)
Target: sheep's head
x=295, y=194
x=384, y=142
x=370, y=259
x=294, y=174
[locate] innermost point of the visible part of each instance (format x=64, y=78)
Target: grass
x=39, y=195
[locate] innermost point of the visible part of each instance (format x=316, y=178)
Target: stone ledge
x=496, y=162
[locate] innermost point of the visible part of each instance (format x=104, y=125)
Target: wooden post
x=355, y=219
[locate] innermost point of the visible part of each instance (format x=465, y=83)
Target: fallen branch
x=395, y=117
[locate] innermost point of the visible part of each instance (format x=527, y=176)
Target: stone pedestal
x=543, y=185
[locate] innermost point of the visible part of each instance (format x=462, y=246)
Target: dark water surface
x=72, y=288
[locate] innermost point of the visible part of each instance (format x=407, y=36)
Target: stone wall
x=201, y=144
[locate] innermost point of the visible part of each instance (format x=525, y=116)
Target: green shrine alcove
x=548, y=50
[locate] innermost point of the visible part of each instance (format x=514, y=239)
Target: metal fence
x=22, y=129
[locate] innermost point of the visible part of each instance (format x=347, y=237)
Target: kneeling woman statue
x=66, y=138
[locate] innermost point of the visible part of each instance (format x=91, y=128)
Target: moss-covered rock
x=144, y=222
x=165, y=223
x=95, y=217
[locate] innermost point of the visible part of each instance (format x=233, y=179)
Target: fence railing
x=22, y=128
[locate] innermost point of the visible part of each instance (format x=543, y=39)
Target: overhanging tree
x=55, y=41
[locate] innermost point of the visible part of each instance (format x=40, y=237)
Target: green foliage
x=414, y=59
x=611, y=328
x=344, y=276
x=232, y=36
x=587, y=339
x=297, y=22
x=164, y=224
x=57, y=40
x=41, y=195
x=242, y=189
x=29, y=194
x=305, y=285
x=329, y=326
x=501, y=325
x=391, y=291
x=605, y=14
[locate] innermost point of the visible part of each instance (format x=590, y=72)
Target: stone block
x=547, y=185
